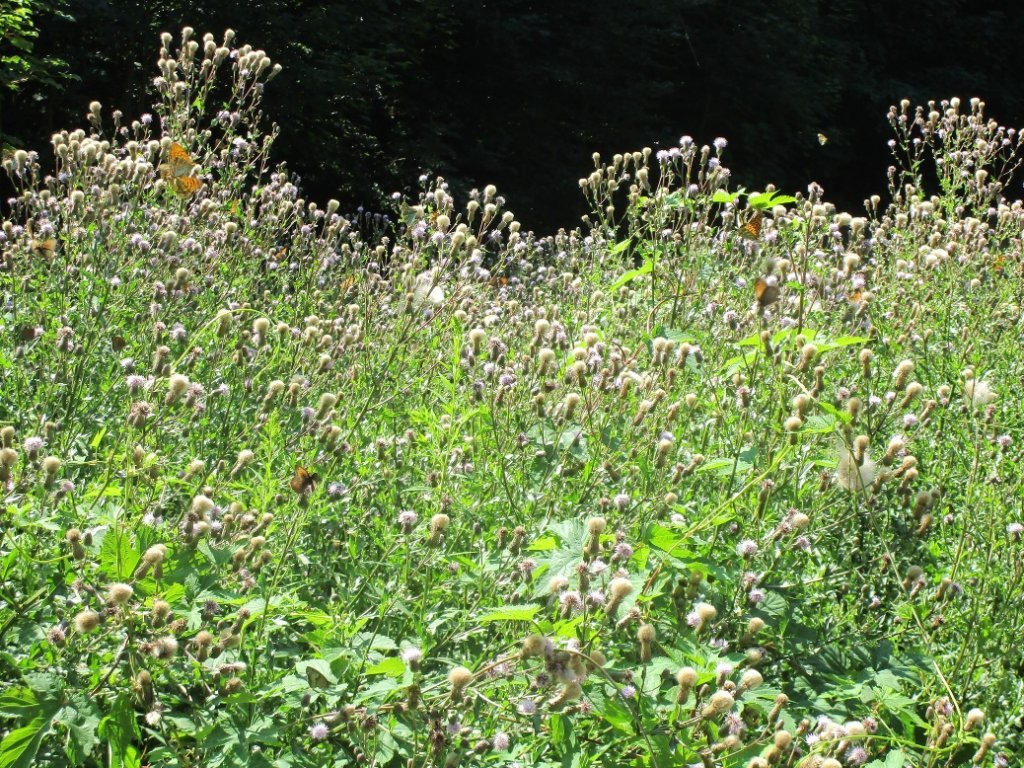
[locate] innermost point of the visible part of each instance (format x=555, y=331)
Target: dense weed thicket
x=720, y=480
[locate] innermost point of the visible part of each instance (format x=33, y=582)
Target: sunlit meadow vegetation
x=282, y=487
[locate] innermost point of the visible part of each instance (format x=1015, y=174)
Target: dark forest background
x=520, y=94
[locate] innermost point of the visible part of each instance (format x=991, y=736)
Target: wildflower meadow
x=718, y=478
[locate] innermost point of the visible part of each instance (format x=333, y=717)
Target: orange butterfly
x=45, y=248
x=304, y=481
x=177, y=171
x=766, y=293
x=346, y=285
x=752, y=229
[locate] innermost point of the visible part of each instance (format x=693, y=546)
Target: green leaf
x=117, y=556
x=374, y=642
x=722, y=196
x=18, y=702
x=745, y=361
x=516, y=613
x=672, y=334
x=392, y=666
x=723, y=467
x=847, y=341
x=543, y=544
x=895, y=758
x=768, y=199
x=568, y=438
x=753, y=340
x=612, y=710
x=843, y=416
x=82, y=719
x=664, y=538
x=818, y=424
x=644, y=269
x=19, y=747
x=774, y=606
x=316, y=671
x=119, y=730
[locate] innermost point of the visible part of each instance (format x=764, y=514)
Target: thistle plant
x=283, y=485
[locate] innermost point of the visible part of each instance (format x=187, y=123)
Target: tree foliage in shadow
x=521, y=93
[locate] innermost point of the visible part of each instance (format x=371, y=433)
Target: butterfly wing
x=299, y=480
x=752, y=229
x=303, y=480
x=765, y=293
x=179, y=160
x=186, y=185
x=45, y=248
x=177, y=171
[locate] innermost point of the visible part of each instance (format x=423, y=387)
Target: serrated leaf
x=664, y=538
x=82, y=719
x=117, y=556
x=773, y=606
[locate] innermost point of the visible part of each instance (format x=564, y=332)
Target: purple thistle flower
x=746, y=548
